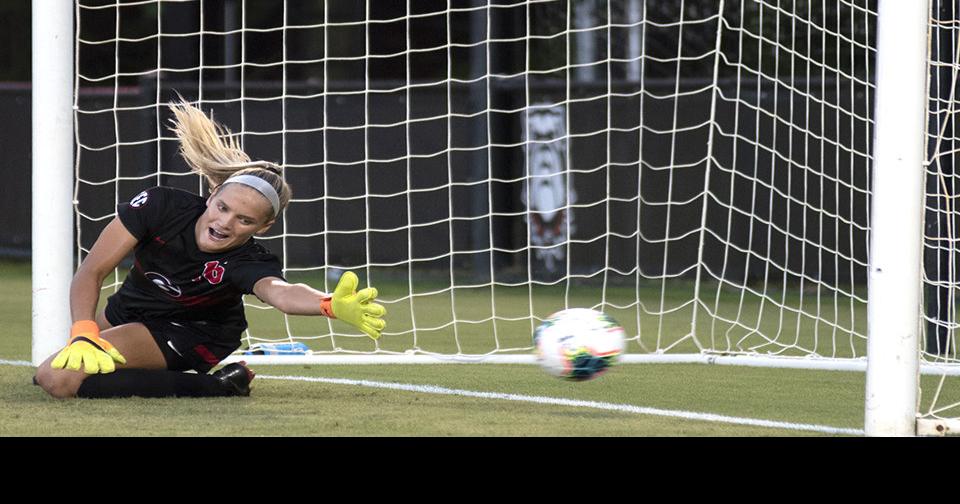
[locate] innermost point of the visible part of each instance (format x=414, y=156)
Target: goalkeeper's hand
x=355, y=308
x=86, y=347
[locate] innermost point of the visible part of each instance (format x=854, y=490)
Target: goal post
x=893, y=312
x=52, y=177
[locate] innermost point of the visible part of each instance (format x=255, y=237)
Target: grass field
x=283, y=404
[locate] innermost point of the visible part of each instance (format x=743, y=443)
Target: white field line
x=5, y=362
x=556, y=401
x=623, y=408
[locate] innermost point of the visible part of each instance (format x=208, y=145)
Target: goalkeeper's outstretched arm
x=346, y=303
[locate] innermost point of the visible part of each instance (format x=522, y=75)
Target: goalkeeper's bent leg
x=151, y=383
x=134, y=341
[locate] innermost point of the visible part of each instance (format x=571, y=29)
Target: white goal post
x=52, y=177
x=893, y=320
x=736, y=182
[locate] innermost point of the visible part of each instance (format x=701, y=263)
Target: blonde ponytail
x=212, y=151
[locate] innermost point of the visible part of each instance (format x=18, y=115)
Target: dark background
x=772, y=179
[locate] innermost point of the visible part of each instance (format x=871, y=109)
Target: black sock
x=151, y=383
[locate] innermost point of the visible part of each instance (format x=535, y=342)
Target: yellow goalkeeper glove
x=86, y=347
x=355, y=308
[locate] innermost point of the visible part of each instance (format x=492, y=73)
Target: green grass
x=317, y=409
x=282, y=407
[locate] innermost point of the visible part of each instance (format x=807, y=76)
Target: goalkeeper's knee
x=59, y=383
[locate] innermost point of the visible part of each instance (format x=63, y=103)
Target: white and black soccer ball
x=578, y=343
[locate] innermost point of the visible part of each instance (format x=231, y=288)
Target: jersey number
x=213, y=272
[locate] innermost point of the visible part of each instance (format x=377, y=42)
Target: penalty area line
x=557, y=401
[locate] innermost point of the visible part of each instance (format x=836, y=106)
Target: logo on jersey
x=139, y=200
x=213, y=272
x=163, y=283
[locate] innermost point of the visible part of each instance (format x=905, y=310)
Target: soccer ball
x=579, y=343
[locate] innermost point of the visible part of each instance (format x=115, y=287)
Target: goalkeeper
x=181, y=308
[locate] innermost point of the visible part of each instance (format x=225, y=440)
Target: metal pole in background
x=480, y=171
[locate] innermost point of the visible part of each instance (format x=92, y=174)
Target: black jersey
x=172, y=279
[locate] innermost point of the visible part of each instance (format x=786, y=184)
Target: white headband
x=262, y=186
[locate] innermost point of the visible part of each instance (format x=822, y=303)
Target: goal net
x=698, y=170
x=940, y=215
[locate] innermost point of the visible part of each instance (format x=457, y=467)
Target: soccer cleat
x=235, y=378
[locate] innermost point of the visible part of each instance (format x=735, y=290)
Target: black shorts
x=185, y=344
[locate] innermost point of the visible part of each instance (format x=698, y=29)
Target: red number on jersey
x=213, y=272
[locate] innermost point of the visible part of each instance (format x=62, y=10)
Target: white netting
x=940, y=216
x=697, y=169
